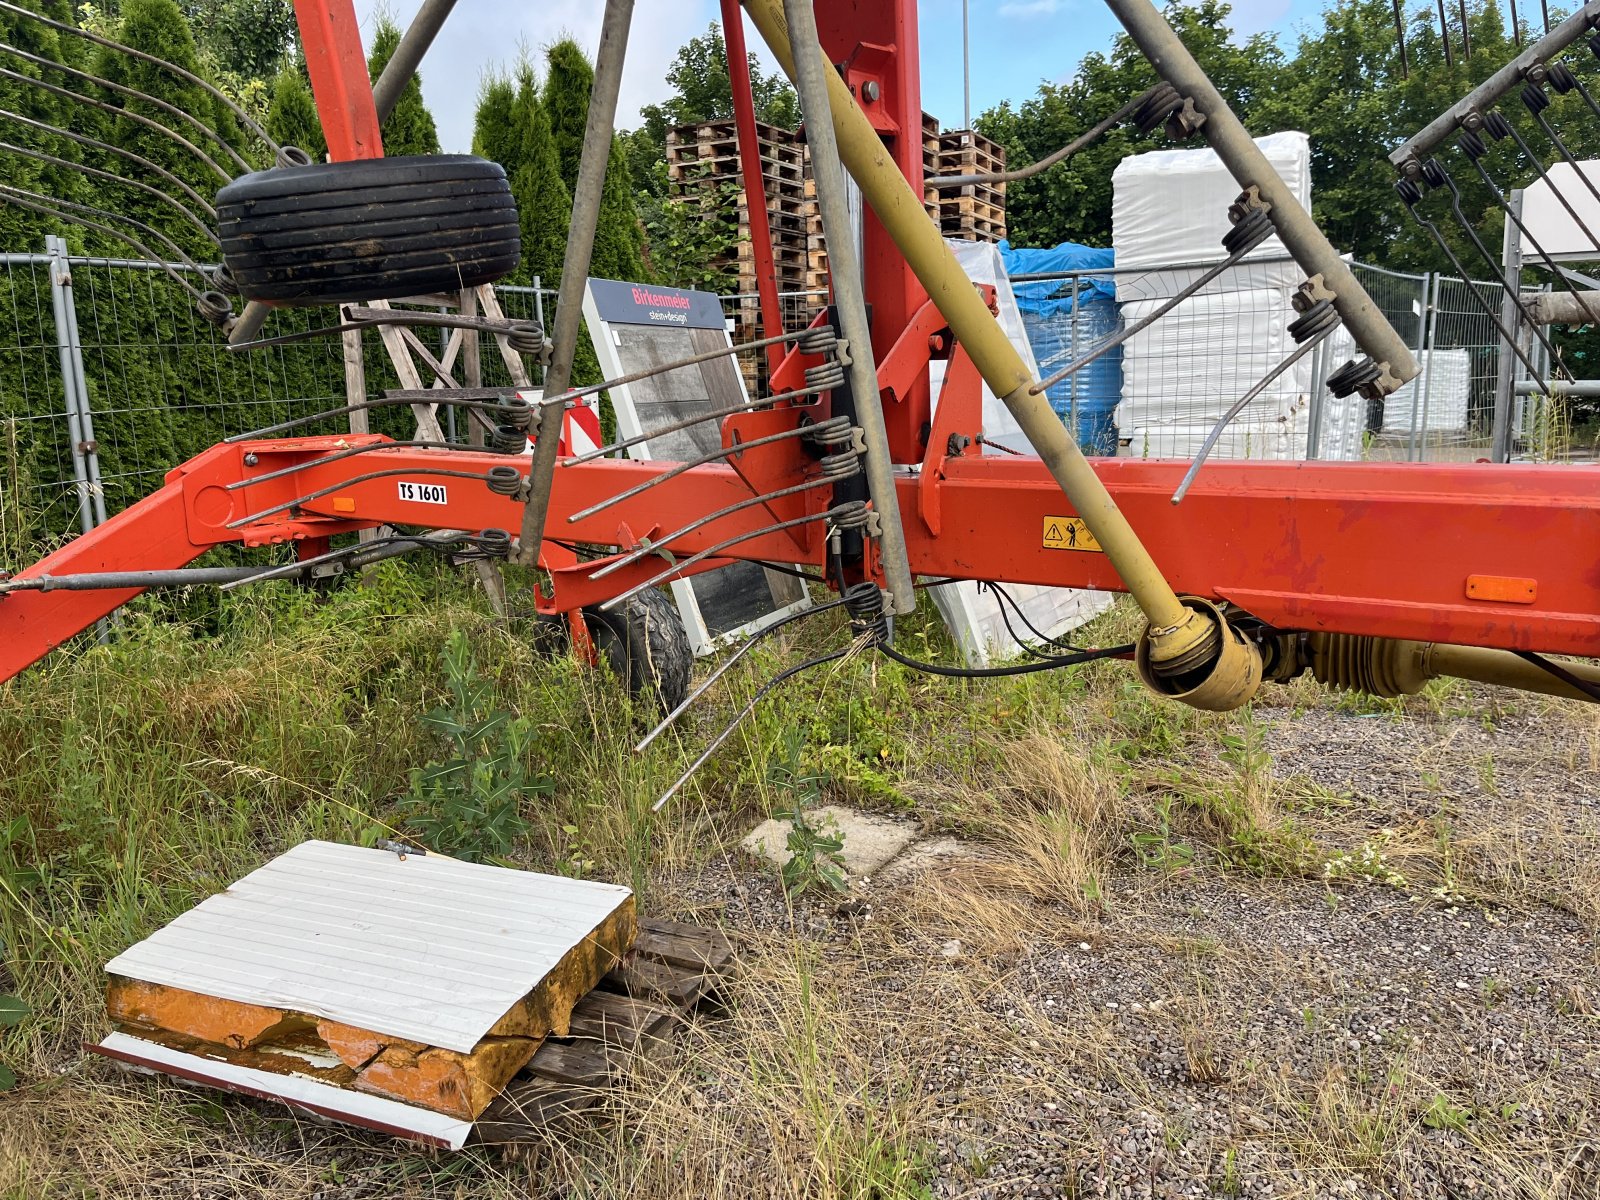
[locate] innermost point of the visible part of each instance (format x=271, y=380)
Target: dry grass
x=1145, y=948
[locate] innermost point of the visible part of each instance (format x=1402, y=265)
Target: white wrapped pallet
x=1180, y=375
x=971, y=613
x=1447, y=375
x=1279, y=437
x=1171, y=206
x=1344, y=419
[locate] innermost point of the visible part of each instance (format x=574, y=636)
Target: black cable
x=1048, y=664
x=1560, y=672
x=1023, y=617
x=785, y=569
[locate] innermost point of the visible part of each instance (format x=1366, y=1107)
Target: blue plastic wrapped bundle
x=1066, y=319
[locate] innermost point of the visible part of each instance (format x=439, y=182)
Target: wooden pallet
x=977, y=206
x=670, y=970
x=972, y=229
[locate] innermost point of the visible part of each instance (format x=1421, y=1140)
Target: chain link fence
x=109, y=379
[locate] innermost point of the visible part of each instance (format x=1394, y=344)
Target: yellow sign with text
x=1069, y=533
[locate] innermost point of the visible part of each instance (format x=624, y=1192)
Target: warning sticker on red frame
x=1069, y=533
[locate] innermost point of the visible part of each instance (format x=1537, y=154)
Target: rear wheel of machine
x=645, y=643
x=371, y=229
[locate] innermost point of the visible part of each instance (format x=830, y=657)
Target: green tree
x=619, y=236
x=158, y=27
x=410, y=128
x=292, y=118
x=493, y=135
x=248, y=39
x=701, y=91
x=1073, y=202
x=568, y=81
x=20, y=228
x=543, y=204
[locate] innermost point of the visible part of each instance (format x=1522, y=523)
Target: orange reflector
x=343, y=504
x=1502, y=588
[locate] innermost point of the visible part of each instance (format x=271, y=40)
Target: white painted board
x=425, y=947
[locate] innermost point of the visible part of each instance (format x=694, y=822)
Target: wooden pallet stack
x=973, y=212
x=817, y=257
x=672, y=968
x=703, y=168
x=702, y=159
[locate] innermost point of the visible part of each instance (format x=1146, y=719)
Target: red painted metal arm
x=1465, y=554
x=338, y=69
x=755, y=188
x=138, y=539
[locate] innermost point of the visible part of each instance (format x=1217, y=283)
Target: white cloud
x=1030, y=8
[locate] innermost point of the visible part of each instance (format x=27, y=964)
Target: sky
x=1015, y=45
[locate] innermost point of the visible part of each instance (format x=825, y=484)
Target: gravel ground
x=1212, y=1033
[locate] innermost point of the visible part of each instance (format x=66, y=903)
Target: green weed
x=470, y=805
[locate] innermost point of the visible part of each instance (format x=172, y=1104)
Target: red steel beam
x=338, y=69
x=1466, y=554
x=755, y=188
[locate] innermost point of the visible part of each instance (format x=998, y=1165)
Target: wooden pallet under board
x=670, y=970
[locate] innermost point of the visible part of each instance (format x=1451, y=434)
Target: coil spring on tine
x=825, y=375
x=1253, y=228
x=864, y=603
x=214, y=307
x=1561, y=77
x=1433, y=174
x=1496, y=125
x=1162, y=102
x=222, y=279
x=504, y=481
x=526, y=337
x=823, y=339
x=835, y=431
x=840, y=466
x=291, y=156
x=1318, y=319
x=515, y=412
x=1353, y=376
x=1535, y=97
x=1473, y=146
x=851, y=514
x=508, y=439
x=496, y=543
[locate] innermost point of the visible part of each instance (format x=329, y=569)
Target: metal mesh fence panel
x=163, y=385
x=39, y=495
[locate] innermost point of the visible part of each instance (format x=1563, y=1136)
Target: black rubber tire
x=646, y=645
x=373, y=229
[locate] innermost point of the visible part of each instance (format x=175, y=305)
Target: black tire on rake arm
x=646, y=645
x=372, y=229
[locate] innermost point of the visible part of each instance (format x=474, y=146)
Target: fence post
x=91, y=452
x=1505, y=370
x=1427, y=331
x=60, y=299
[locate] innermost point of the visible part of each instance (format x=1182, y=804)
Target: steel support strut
x=811, y=78
x=1244, y=160
x=597, y=137
x=1192, y=656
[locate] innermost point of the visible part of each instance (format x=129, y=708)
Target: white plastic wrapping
x=1171, y=206
x=1180, y=375
x=1442, y=408
x=973, y=617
